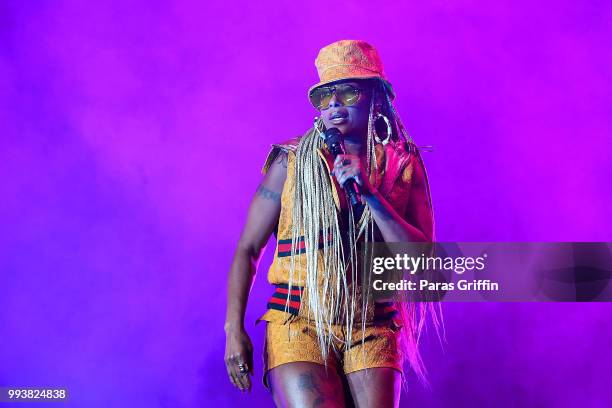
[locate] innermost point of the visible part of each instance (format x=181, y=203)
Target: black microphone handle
x=350, y=185
x=352, y=190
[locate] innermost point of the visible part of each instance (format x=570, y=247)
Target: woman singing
x=328, y=344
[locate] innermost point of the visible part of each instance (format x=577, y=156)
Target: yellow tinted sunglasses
x=345, y=93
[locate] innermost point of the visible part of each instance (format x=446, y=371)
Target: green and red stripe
x=284, y=245
x=278, y=300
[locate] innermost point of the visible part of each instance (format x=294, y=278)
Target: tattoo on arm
x=268, y=194
x=282, y=159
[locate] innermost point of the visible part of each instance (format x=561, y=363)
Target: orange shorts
x=291, y=338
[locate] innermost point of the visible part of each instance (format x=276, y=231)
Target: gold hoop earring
x=389, y=129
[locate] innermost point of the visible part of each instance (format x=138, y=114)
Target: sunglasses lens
x=320, y=97
x=347, y=94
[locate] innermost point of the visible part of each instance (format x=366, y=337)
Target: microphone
x=333, y=140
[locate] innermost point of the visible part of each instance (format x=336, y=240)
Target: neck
x=355, y=144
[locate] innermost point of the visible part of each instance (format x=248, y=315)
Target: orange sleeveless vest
x=395, y=163
x=395, y=167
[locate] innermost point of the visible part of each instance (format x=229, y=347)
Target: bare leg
x=304, y=384
x=375, y=387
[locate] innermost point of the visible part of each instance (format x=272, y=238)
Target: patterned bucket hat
x=349, y=59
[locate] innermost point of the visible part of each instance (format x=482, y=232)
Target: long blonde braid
x=331, y=296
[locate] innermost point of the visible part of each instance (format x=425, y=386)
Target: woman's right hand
x=239, y=350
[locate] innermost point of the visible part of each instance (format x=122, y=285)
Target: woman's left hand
x=347, y=166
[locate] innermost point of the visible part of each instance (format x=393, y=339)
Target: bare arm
x=262, y=217
x=415, y=226
x=261, y=220
x=419, y=212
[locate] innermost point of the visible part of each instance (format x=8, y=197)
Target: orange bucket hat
x=349, y=59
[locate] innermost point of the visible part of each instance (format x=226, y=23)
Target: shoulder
x=288, y=145
x=280, y=151
x=398, y=151
x=406, y=148
x=412, y=169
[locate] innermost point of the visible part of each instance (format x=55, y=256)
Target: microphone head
x=332, y=136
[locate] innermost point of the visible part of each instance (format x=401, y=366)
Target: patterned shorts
x=290, y=338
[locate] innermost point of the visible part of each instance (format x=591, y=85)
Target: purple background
x=131, y=138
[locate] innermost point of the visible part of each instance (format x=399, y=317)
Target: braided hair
x=332, y=295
